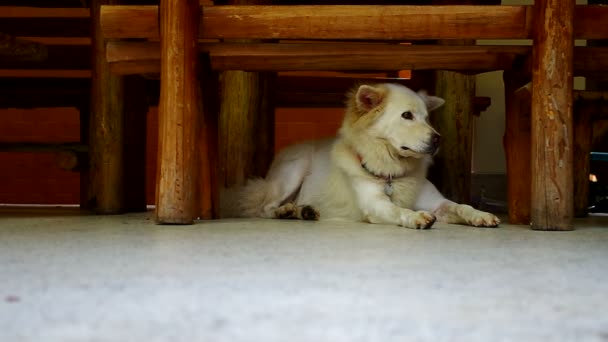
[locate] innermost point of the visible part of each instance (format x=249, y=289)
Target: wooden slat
x=14, y=49
x=589, y=60
x=59, y=57
x=143, y=57
x=332, y=22
x=43, y=92
x=591, y=22
x=46, y=26
x=42, y=147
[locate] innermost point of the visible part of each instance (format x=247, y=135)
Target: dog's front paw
x=483, y=219
x=418, y=220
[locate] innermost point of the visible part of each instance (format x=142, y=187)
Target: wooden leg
x=178, y=113
x=517, y=148
x=453, y=121
x=136, y=115
x=583, y=132
x=246, y=126
x=106, y=129
x=552, y=142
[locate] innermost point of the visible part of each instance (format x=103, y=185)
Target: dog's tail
x=248, y=200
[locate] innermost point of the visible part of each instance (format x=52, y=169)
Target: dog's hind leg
x=449, y=212
x=285, y=177
x=301, y=212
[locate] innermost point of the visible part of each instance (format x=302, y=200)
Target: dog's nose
x=435, y=139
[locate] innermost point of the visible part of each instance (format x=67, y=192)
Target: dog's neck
x=380, y=159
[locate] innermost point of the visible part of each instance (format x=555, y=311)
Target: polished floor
x=67, y=277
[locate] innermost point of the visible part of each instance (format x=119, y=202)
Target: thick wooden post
x=552, y=145
x=106, y=128
x=454, y=121
x=516, y=142
x=176, y=181
x=583, y=136
x=246, y=122
x=246, y=126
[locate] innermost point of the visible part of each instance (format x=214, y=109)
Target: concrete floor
x=120, y=278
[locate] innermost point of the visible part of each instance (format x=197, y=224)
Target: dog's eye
x=407, y=115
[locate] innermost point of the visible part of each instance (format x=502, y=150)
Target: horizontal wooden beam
x=45, y=3
x=46, y=26
x=42, y=147
x=144, y=57
x=58, y=57
x=44, y=92
x=331, y=22
x=15, y=49
x=353, y=22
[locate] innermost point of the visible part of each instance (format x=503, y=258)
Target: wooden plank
x=178, y=114
x=332, y=22
x=45, y=3
x=14, y=49
x=106, y=185
x=43, y=92
x=46, y=26
x=143, y=57
x=43, y=147
x=552, y=142
x=590, y=22
x=58, y=57
x=589, y=60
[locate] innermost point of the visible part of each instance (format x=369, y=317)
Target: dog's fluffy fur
x=385, y=135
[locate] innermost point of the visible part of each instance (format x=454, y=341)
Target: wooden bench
x=180, y=24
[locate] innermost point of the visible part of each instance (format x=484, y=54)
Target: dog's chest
x=403, y=191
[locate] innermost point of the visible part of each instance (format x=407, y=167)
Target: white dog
x=374, y=171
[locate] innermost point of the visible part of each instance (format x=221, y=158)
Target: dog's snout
x=435, y=140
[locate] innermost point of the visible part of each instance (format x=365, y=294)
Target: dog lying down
x=373, y=171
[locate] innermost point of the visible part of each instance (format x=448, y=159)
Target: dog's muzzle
x=434, y=143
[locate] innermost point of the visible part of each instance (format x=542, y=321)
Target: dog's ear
x=432, y=102
x=369, y=97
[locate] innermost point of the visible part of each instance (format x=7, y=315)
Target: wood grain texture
x=137, y=57
x=451, y=170
x=106, y=181
x=552, y=142
x=516, y=143
x=245, y=117
x=332, y=22
x=178, y=114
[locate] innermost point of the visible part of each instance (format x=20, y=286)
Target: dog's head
x=397, y=115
